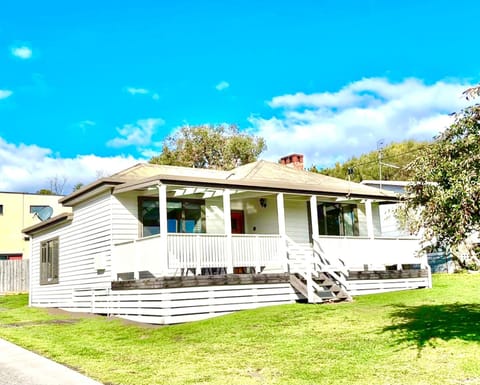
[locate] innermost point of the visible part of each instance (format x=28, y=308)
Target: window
x=337, y=219
x=1, y=209
x=37, y=209
x=49, y=262
x=185, y=216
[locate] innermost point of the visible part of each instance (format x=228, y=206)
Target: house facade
x=166, y=244
x=20, y=210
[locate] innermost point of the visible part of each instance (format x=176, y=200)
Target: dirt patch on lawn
x=55, y=312
x=78, y=316
x=38, y=323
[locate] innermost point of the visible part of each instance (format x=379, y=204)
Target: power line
x=355, y=165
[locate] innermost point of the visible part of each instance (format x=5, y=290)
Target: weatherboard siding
x=84, y=245
x=125, y=224
x=214, y=215
x=261, y=220
x=296, y=221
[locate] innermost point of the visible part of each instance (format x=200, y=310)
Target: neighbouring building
x=19, y=210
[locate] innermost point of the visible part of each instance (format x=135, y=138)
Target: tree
x=57, y=185
x=45, y=191
x=393, y=160
x=472, y=92
x=446, y=189
x=210, y=146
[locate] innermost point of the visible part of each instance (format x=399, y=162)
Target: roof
x=31, y=194
x=56, y=220
x=261, y=175
x=386, y=182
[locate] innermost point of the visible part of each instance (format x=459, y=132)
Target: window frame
x=49, y=261
x=342, y=211
x=182, y=218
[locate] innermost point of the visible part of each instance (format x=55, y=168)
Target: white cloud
x=22, y=52
x=84, y=125
x=222, y=85
x=333, y=126
x=30, y=168
x=87, y=123
x=138, y=134
x=142, y=91
x=137, y=91
x=5, y=94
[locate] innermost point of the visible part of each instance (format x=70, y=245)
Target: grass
x=412, y=337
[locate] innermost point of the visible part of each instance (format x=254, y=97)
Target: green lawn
x=412, y=337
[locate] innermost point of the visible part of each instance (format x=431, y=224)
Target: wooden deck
x=201, y=280
x=386, y=274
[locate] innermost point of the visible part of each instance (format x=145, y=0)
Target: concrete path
x=22, y=367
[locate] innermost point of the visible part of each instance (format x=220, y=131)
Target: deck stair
x=314, y=276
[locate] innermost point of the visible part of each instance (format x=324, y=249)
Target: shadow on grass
x=423, y=324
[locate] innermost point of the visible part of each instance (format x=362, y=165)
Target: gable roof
x=261, y=175
x=57, y=220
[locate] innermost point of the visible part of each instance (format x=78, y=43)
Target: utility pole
x=380, y=144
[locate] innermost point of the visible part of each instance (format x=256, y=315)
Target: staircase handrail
x=337, y=272
x=325, y=261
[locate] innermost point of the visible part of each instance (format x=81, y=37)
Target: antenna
x=44, y=213
x=380, y=144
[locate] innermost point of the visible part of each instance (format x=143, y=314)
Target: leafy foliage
x=210, y=146
x=446, y=184
x=45, y=191
x=394, y=158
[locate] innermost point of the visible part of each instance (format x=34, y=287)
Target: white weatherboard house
x=164, y=244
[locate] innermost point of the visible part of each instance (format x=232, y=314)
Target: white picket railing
x=198, y=251
x=258, y=250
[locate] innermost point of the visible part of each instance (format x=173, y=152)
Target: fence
x=14, y=276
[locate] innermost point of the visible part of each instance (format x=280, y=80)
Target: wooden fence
x=14, y=276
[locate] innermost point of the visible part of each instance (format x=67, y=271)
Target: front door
x=238, y=223
x=238, y=227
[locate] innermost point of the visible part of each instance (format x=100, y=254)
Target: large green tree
x=210, y=146
x=390, y=163
x=446, y=188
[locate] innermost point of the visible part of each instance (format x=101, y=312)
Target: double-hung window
x=49, y=262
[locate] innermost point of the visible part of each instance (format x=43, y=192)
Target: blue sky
x=90, y=87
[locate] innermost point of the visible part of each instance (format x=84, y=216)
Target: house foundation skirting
x=176, y=305
x=371, y=282
x=170, y=300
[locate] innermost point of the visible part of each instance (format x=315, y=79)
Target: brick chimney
x=293, y=160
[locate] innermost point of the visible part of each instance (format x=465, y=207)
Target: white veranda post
x=314, y=216
x=162, y=208
x=369, y=215
x=282, y=228
x=227, y=221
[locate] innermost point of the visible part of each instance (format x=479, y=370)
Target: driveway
x=22, y=367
